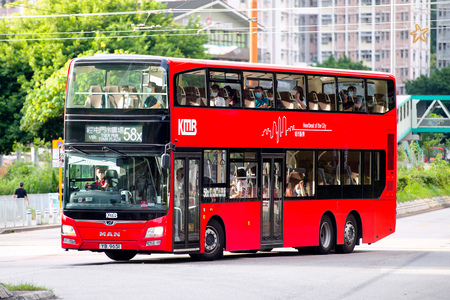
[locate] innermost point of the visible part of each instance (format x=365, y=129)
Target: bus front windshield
x=117, y=86
x=119, y=183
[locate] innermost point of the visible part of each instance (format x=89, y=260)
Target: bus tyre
x=350, y=236
x=326, y=235
x=121, y=254
x=214, y=242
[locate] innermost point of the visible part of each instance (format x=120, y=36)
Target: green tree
x=342, y=63
x=430, y=140
x=36, y=50
x=437, y=84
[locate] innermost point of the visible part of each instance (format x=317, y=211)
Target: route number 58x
x=132, y=135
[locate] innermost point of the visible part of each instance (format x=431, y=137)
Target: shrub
x=38, y=180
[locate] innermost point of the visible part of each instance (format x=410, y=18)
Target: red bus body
x=217, y=128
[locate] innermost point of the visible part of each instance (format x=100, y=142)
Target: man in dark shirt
x=21, y=193
x=348, y=104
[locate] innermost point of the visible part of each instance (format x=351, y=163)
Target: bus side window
x=380, y=98
x=300, y=174
x=191, y=88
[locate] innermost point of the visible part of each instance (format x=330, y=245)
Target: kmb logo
x=187, y=126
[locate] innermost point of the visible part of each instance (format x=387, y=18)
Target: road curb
x=415, y=207
x=28, y=228
x=6, y=294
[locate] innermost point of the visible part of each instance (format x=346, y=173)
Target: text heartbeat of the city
x=280, y=128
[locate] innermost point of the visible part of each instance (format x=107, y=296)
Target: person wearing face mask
x=152, y=100
x=260, y=100
x=299, y=189
x=357, y=99
x=299, y=97
x=218, y=101
x=348, y=105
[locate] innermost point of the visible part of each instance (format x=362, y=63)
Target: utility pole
x=253, y=32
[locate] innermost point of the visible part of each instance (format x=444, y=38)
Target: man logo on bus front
x=187, y=127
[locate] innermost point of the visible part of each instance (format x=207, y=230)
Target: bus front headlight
x=154, y=232
x=68, y=230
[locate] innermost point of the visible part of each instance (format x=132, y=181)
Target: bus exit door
x=272, y=201
x=186, y=203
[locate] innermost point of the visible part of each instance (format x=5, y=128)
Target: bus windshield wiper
x=78, y=150
x=107, y=149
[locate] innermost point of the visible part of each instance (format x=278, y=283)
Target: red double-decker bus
x=168, y=155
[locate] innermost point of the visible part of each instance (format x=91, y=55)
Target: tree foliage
x=342, y=63
x=437, y=84
x=35, y=51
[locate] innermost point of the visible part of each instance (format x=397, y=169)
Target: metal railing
x=13, y=212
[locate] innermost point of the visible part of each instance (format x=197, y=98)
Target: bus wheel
x=325, y=235
x=121, y=254
x=350, y=236
x=214, y=241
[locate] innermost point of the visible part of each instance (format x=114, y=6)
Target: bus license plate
x=110, y=246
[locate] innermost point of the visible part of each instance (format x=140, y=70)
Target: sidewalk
x=10, y=228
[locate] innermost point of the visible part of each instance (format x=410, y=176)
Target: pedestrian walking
x=21, y=193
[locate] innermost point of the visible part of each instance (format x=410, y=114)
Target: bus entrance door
x=272, y=201
x=186, y=204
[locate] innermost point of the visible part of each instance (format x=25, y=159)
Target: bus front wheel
x=350, y=236
x=214, y=242
x=326, y=235
x=121, y=254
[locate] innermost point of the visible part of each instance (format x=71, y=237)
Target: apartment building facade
x=376, y=32
x=442, y=35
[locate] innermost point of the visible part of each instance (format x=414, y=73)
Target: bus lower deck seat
x=192, y=96
x=249, y=103
x=286, y=99
x=313, y=101
x=113, y=95
x=324, y=101
x=181, y=95
x=96, y=98
x=332, y=98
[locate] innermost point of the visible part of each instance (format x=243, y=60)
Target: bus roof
x=236, y=65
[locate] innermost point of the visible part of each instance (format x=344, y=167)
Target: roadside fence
x=14, y=212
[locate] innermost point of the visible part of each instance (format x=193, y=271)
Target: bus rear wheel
x=121, y=254
x=350, y=236
x=214, y=242
x=326, y=235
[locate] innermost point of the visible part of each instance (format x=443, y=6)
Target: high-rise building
x=442, y=35
x=376, y=32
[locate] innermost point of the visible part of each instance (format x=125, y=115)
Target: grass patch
x=25, y=287
x=425, y=181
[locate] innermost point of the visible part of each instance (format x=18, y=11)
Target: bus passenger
x=125, y=100
x=299, y=97
x=153, y=101
x=260, y=100
x=299, y=188
x=357, y=99
x=233, y=100
x=348, y=104
x=241, y=185
x=218, y=101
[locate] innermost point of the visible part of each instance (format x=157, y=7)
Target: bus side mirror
x=165, y=160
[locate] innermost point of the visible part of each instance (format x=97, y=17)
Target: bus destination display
x=114, y=133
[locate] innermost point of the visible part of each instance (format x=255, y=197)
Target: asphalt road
x=413, y=263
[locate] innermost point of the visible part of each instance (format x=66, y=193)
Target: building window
x=366, y=18
x=326, y=20
x=366, y=37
